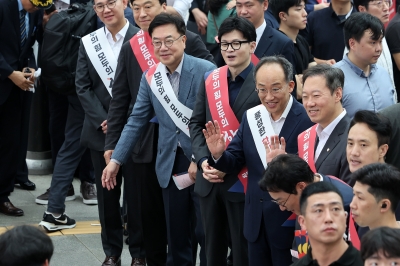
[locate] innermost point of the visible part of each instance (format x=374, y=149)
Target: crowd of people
x=280, y=146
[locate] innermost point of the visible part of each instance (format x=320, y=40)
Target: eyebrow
x=145, y=3
x=322, y=204
x=169, y=36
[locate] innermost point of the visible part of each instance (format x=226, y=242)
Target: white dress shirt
x=324, y=133
x=260, y=31
x=182, y=7
x=278, y=124
x=120, y=36
x=61, y=4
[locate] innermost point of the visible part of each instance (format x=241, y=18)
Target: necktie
x=174, y=79
x=22, y=26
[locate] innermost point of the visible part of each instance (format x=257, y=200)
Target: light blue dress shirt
x=26, y=18
x=373, y=93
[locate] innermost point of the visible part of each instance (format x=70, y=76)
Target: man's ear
x=301, y=221
x=383, y=150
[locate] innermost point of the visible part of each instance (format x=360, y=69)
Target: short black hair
x=276, y=59
x=160, y=1
x=283, y=6
x=382, y=239
x=316, y=188
x=334, y=77
x=284, y=172
x=376, y=122
x=240, y=24
x=165, y=19
x=358, y=23
x=25, y=245
x=383, y=181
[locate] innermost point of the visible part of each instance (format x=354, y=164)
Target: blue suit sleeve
x=141, y=114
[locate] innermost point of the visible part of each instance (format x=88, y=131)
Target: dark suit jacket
x=334, y=161
x=246, y=99
x=12, y=57
x=125, y=90
x=243, y=152
x=94, y=97
x=272, y=42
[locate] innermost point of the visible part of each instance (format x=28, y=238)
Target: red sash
x=353, y=235
x=254, y=59
x=306, y=147
x=218, y=101
x=142, y=48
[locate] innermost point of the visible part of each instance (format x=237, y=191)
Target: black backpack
x=60, y=46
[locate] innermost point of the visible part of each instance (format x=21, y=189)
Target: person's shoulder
x=278, y=35
x=340, y=64
x=199, y=62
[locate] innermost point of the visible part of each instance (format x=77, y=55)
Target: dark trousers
x=182, y=213
x=264, y=252
x=22, y=170
x=146, y=218
x=10, y=121
x=58, y=109
x=68, y=157
x=222, y=218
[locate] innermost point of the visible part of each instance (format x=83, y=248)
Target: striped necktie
x=22, y=26
x=174, y=80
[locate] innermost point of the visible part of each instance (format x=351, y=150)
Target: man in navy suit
x=17, y=27
x=269, y=242
x=169, y=88
x=269, y=41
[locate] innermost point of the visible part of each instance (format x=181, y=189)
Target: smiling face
x=252, y=10
x=271, y=78
x=362, y=147
x=364, y=208
x=321, y=105
x=169, y=56
x=324, y=218
x=144, y=12
x=111, y=17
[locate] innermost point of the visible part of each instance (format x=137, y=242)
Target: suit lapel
x=332, y=141
x=132, y=30
x=291, y=120
x=245, y=92
x=15, y=16
x=264, y=43
x=186, y=78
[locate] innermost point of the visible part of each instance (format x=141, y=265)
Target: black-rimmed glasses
x=235, y=45
x=282, y=204
x=100, y=8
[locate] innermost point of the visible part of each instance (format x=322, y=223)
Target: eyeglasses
x=100, y=8
x=235, y=45
x=379, y=4
x=168, y=43
x=282, y=204
x=273, y=91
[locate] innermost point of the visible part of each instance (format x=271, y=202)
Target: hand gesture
x=215, y=140
x=109, y=177
x=274, y=147
x=211, y=174
x=201, y=20
x=19, y=79
x=231, y=4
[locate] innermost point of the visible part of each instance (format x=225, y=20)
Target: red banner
x=392, y=11
x=218, y=101
x=254, y=59
x=306, y=146
x=140, y=44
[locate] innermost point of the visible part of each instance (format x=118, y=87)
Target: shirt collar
x=244, y=73
x=347, y=15
x=348, y=257
x=179, y=68
x=329, y=128
x=260, y=31
x=65, y=1
x=359, y=72
x=120, y=34
x=286, y=111
x=20, y=7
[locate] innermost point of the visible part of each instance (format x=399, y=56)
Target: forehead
x=278, y=195
x=361, y=132
x=144, y=2
x=315, y=83
x=165, y=31
x=270, y=73
x=233, y=35
x=360, y=187
x=325, y=199
x=368, y=34
x=246, y=2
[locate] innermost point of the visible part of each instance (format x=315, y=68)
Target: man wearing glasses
x=379, y=9
x=169, y=90
x=146, y=219
x=285, y=179
x=222, y=208
x=269, y=242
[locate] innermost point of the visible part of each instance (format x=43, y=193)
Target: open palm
x=215, y=140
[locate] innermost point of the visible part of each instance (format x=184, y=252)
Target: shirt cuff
x=116, y=161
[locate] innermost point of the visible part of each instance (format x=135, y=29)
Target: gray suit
x=179, y=204
x=95, y=101
x=332, y=159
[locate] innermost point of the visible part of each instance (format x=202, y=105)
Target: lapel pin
x=327, y=150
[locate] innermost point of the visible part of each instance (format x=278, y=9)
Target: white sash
x=102, y=57
x=162, y=89
x=261, y=128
